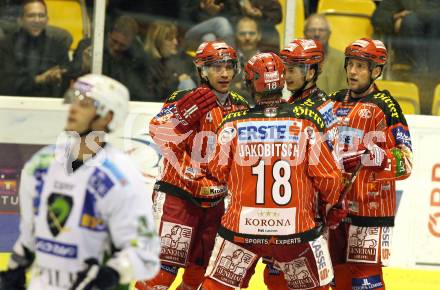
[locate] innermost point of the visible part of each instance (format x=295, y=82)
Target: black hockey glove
x=13, y=279
x=96, y=277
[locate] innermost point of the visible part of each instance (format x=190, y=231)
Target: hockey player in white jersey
x=82, y=200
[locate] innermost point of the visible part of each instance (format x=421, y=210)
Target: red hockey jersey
x=376, y=118
x=186, y=155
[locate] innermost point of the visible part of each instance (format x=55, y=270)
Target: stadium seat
x=70, y=15
x=362, y=7
x=436, y=101
x=407, y=94
x=349, y=20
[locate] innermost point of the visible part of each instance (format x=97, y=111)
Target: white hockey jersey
x=67, y=218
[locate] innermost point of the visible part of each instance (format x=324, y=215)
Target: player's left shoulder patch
x=327, y=113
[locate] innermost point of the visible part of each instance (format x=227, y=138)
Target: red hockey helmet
x=265, y=73
x=211, y=52
x=373, y=51
x=303, y=51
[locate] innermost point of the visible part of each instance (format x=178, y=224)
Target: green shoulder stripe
x=238, y=99
x=41, y=160
x=234, y=116
x=176, y=96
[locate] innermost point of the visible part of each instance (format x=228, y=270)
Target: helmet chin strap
x=367, y=87
x=297, y=93
x=372, y=80
x=364, y=89
x=89, y=127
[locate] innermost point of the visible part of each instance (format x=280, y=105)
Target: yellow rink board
x=395, y=279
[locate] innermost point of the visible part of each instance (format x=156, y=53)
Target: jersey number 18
x=281, y=177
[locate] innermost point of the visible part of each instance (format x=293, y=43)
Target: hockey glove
x=335, y=215
x=322, y=210
x=96, y=277
x=374, y=159
x=13, y=279
x=191, y=108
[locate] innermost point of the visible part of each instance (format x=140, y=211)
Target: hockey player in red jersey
x=188, y=203
x=271, y=158
x=303, y=60
x=375, y=144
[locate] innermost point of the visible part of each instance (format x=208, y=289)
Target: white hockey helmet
x=109, y=95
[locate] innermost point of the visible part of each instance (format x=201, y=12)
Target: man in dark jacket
x=124, y=58
x=267, y=13
x=414, y=26
x=32, y=62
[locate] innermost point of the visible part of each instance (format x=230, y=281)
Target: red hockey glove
x=352, y=161
x=335, y=215
x=193, y=106
x=374, y=159
x=322, y=209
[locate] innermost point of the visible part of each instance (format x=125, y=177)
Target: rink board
x=416, y=237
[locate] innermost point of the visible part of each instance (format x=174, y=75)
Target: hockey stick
x=348, y=185
x=340, y=202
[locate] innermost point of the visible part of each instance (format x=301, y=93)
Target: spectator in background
x=32, y=63
x=332, y=77
x=268, y=13
x=168, y=69
x=7, y=69
x=124, y=58
x=208, y=21
x=413, y=26
x=247, y=38
x=10, y=11
x=211, y=17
